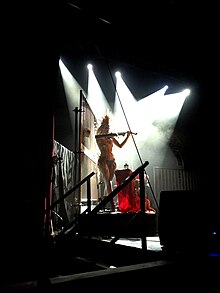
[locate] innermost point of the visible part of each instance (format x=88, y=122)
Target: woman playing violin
x=106, y=161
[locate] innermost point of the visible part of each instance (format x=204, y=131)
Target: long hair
x=104, y=123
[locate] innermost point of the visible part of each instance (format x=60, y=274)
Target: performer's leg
x=112, y=168
x=108, y=190
x=107, y=171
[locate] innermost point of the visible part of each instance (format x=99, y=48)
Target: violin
x=113, y=134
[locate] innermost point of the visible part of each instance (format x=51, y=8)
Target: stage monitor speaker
x=182, y=220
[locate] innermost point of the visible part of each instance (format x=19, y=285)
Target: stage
x=133, y=225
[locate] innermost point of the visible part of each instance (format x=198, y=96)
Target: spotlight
x=89, y=66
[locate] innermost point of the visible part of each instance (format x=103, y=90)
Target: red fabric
x=127, y=199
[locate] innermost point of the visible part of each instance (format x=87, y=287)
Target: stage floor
x=153, y=243
x=121, y=225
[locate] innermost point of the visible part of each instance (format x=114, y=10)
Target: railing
x=86, y=180
x=73, y=227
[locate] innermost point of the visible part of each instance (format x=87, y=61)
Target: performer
x=106, y=161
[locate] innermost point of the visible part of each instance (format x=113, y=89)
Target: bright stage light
x=186, y=92
x=89, y=66
x=118, y=74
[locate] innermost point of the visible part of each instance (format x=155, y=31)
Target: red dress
x=127, y=199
